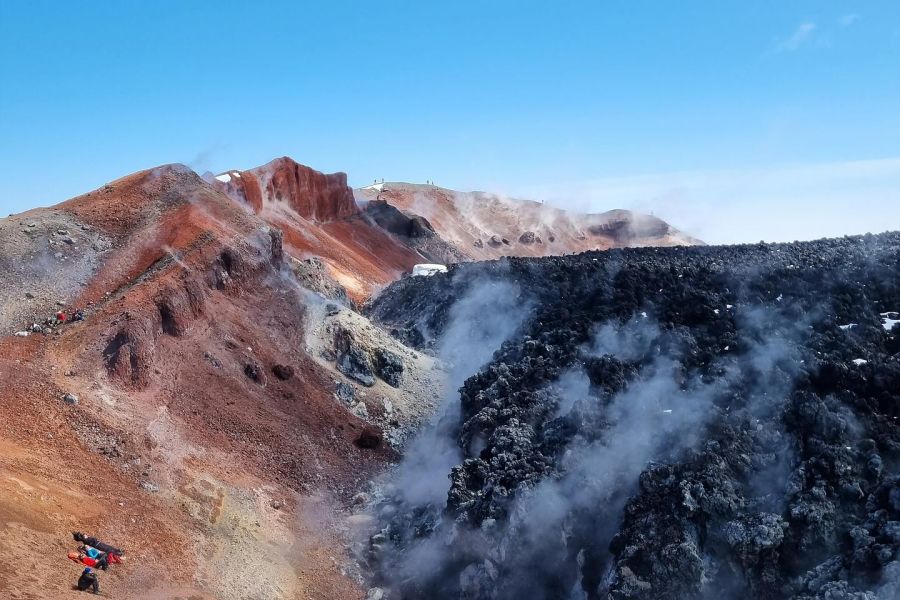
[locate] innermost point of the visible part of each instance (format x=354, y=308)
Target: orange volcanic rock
x=310, y=194
x=319, y=218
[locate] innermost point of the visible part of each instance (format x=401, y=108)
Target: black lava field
x=704, y=422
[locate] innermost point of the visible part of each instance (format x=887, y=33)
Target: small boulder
x=388, y=366
x=369, y=439
x=375, y=594
x=527, y=238
x=360, y=410
x=344, y=392
x=70, y=398
x=253, y=371
x=149, y=486
x=356, y=364
x=478, y=243
x=352, y=360
x=212, y=360
x=283, y=372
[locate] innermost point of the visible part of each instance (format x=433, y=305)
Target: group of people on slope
x=93, y=554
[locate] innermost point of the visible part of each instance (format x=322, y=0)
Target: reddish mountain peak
x=285, y=184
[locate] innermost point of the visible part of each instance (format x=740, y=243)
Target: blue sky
x=592, y=105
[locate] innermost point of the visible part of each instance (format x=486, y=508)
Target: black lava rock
x=669, y=423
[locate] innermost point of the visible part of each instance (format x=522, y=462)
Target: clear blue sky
x=566, y=99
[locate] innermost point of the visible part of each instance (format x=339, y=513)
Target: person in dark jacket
x=88, y=580
x=95, y=543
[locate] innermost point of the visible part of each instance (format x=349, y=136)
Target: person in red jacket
x=81, y=557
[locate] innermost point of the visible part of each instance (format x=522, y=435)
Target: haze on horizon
x=735, y=123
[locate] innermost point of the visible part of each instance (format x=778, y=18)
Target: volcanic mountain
x=208, y=396
x=194, y=400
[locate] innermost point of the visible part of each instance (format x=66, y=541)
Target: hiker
x=89, y=551
x=81, y=557
x=95, y=558
x=93, y=542
x=87, y=580
x=104, y=559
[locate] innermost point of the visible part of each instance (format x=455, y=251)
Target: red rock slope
x=184, y=446
x=319, y=217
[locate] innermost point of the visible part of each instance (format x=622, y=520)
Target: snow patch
x=889, y=319
x=848, y=326
x=426, y=270
x=224, y=177
x=859, y=361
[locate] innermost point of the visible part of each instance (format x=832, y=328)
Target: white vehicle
x=426, y=270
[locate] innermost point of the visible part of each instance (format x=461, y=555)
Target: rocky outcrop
x=309, y=193
x=388, y=366
x=529, y=237
x=413, y=230
x=625, y=227
x=312, y=274
x=398, y=222
x=353, y=360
